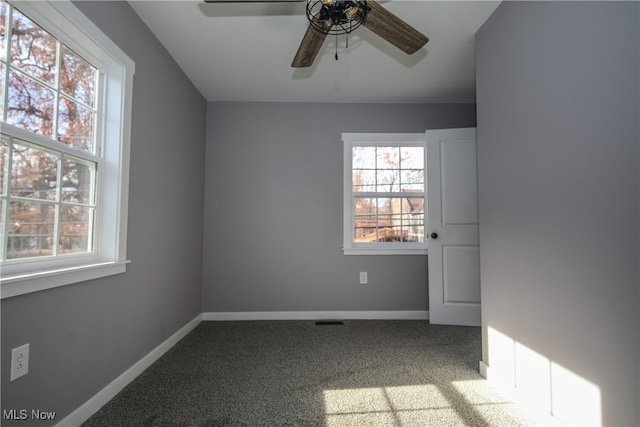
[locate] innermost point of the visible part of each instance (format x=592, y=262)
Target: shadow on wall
x=541, y=383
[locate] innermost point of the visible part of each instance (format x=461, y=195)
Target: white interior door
x=452, y=224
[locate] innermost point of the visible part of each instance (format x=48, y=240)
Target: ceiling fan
x=343, y=16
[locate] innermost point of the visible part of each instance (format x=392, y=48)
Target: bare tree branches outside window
x=47, y=195
x=388, y=192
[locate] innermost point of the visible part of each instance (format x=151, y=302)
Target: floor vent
x=329, y=322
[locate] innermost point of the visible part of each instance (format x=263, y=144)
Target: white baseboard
x=84, y=412
x=484, y=369
x=315, y=315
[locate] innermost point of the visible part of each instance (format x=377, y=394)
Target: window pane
x=364, y=157
x=77, y=181
x=75, y=125
x=388, y=157
x=364, y=180
x=2, y=225
x=387, y=233
x=34, y=173
x=77, y=77
x=389, y=219
x=29, y=105
x=412, y=219
x=31, y=228
x=3, y=29
x=388, y=180
x=412, y=180
x=4, y=163
x=33, y=50
x=2, y=88
x=365, y=220
x=402, y=219
x=75, y=226
x=412, y=157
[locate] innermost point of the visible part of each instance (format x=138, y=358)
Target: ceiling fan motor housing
x=336, y=16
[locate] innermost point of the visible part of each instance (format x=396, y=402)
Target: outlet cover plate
x=19, y=362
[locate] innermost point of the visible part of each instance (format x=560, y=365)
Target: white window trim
x=353, y=139
x=67, y=23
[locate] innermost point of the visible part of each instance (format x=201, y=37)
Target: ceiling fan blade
x=252, y=1
x=393, y=29
x=309, y=47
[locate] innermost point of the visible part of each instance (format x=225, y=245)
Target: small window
x=384, y=194
x=65, y=107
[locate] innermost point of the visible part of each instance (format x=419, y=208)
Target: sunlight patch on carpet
x=389, y=406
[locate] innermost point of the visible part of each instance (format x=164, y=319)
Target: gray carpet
x=296, y=373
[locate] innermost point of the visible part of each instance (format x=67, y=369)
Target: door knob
x=434, y=235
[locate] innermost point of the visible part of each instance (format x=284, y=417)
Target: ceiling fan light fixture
x=336, y=16
x=352, y=13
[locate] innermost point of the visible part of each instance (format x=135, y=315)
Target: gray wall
x=558, y=163
x=83, y=336
x=273, y=208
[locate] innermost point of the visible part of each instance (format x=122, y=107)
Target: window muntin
x=48, y=195
x=385, y=191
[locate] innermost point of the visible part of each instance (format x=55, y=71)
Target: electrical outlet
x=363, y=278
x=19, y=362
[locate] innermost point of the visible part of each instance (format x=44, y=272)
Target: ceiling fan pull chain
x=336, y=47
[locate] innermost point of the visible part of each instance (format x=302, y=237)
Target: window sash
x=58, y=203
x=59, y=93
x=388, y=219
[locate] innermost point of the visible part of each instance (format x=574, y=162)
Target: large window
x=64, y=110
x=384, y=194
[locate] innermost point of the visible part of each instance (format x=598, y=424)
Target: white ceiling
x=243, y=52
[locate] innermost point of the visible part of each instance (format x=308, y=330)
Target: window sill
x=368, y=251
x=21, y=284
